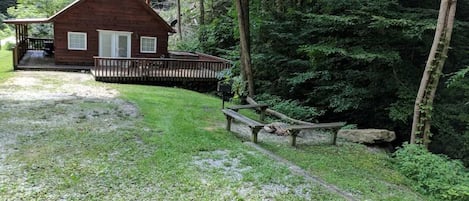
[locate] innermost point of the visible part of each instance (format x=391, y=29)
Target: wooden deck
x=37, y=60
x=155, y=70
x=181, y=66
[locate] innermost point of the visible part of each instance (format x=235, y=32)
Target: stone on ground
x=367, y=136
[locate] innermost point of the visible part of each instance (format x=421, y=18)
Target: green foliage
x=238, y=87
x=368, y=175
x=457, y=77
x=359, y=61
x=8, y=46
x=38, y=9
x=291, y=108
x=5, y=30
x=432, y=174
x=5, y=4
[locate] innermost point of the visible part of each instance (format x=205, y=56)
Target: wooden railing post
x=15, y=58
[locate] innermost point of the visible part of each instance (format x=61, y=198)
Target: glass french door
x=114, y=44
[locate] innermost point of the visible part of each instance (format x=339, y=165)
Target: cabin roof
x=27, y=21
x=77, y=2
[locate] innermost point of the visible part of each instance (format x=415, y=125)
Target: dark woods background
x=358, y=61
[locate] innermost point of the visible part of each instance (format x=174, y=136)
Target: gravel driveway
x=36, y=107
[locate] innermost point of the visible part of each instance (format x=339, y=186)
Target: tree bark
x=179, y=19
x=242, y=6
x=202, y=12
x=434, y=66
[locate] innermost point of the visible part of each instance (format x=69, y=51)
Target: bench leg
x=254, y=133
x=228, y=123
x=334, y=136
x=294, y=134
x=262, y=115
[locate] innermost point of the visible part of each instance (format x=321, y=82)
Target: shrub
x=8, y=46
x=291, y=108
x=434, y=175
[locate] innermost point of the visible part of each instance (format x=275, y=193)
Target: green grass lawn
x=196, y=124
x=176, y=150
x=6, y=64
x=195, y=128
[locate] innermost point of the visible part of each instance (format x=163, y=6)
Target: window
x=76, y=41
x=148, y=44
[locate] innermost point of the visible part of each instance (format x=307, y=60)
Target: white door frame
x=115, y=42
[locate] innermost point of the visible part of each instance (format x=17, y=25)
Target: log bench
x=262, y=108
x=295, y=129
x=253, y=125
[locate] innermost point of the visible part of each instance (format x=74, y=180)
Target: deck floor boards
x=37, y=60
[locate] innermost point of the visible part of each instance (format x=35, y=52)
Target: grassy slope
x=197, y=120
x=6, y=65
x=192, y=123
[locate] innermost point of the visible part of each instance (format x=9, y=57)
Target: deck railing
x=161, y=69
x=28, y=44
x=38, y=43
x=18, y=52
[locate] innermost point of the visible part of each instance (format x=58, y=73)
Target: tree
x=202, y=12
x=433, y=70
x=179, y=19
x=5, y=4
x=242, y=7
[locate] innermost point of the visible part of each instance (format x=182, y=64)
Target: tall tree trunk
x=179, y=19
x=202, y=22
x=242, y=6
x=202, y=12
x=424, y=102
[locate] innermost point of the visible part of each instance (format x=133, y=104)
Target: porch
x=193, y=67
x=199, y=68
x=39, y=60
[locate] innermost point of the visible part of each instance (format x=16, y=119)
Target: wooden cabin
x=111, y=37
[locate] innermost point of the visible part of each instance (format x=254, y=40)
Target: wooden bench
x=262, y=108
x=295, y=129
x=253, y=125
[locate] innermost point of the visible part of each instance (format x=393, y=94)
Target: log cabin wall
x=91, y=15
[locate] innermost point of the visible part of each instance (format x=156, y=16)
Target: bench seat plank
x=253, y=125
x=316, y=126
x=237, y=107
x=262, y=107
x=242, y=118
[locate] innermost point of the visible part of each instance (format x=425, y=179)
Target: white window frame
x=69, y=34
x=151, y=38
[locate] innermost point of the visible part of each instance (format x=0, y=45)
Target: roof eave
x=64, y=9
x=167, y=26
x=27, y=21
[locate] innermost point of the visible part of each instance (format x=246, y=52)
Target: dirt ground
x=34, y=103
x=31, y=101
x=305, y=137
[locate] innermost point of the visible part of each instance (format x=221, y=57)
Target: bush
x=291, y=108
x=8, y=46
x=434, y=175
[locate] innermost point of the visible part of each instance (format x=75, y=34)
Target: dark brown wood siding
x=92, y=15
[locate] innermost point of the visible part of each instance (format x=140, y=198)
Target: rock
x=367, y=136
x=277, y=128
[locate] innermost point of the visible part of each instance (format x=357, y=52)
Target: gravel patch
x=231, y=169
x=307, y=137
x=33, y=104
